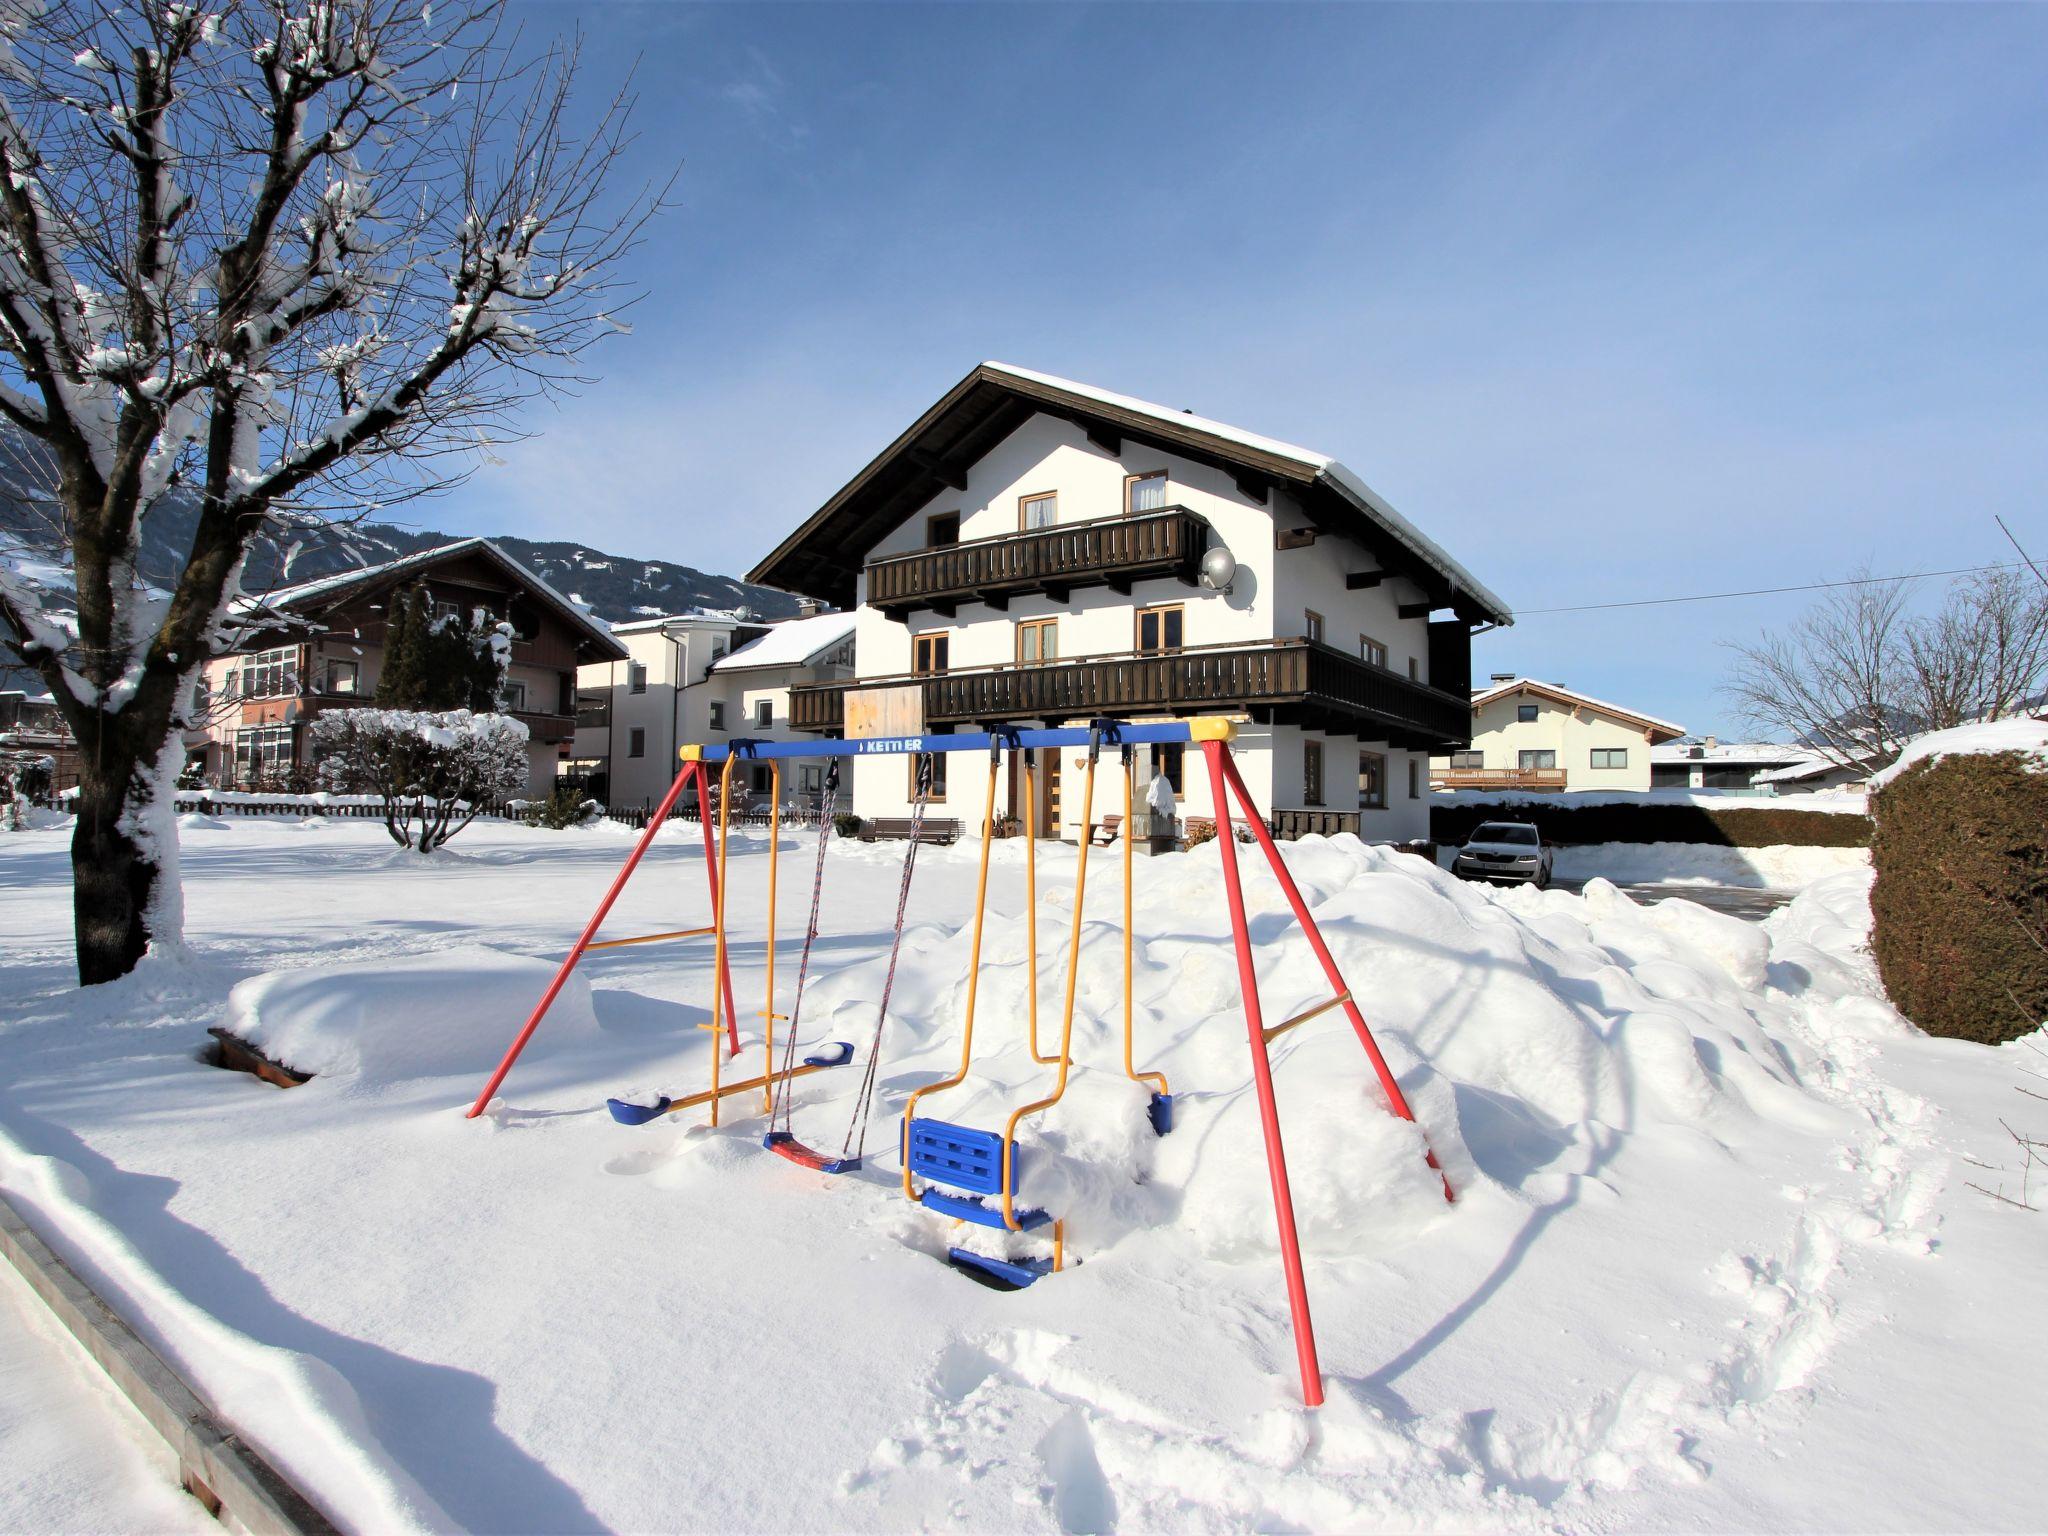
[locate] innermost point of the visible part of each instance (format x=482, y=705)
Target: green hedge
x=1748, y=827
x=1959, y=910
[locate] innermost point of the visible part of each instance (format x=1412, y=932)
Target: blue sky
x=1614, y=302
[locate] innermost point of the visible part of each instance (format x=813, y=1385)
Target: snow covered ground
x=1713, y=1265
x=78, y=1457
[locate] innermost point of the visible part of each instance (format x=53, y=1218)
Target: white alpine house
x=1033, y=551
x=706, y=677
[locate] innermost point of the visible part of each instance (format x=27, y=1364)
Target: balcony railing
x=1496, y=778
x=1300, y=680
x=1102, y=551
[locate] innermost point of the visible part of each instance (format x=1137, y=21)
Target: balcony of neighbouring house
x=1496, y=778
x=1108, y=552
x=1294, y=681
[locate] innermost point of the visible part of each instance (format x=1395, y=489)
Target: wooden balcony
x=1496, y=778
x=1102, y=551
x=1297, y=681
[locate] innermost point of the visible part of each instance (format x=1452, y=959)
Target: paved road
x=1751, y=902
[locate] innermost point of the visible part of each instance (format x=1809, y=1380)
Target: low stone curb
x=216, y=1466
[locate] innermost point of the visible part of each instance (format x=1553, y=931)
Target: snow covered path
x=77, y=1457
x=1713, y=1263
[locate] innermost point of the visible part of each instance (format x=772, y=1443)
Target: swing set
x=967, y=1173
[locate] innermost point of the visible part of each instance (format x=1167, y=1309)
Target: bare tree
x=299, y=257
x=1831, y=680
x=1858, y=676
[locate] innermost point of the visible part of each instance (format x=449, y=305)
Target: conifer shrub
x=1959, y=910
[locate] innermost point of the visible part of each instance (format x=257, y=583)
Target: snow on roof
x=1808, y=767
x=283, y=599
x=790, y=643
x=1336, y=472
x=2028, y=737
x=1501, y=690
x=693, y=616
x=1727, y=752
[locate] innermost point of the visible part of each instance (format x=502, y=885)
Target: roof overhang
x=297, y=615
x=1657, y=731
x=822, y=557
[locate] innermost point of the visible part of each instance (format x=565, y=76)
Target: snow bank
x=1777, y=866
x=2028, y=737
x=1698, y=1168
x=400, y=1019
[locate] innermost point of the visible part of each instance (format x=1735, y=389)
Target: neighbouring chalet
x=323, y=645
x=701, y=677
x=1032, y=551
x=1527, y=734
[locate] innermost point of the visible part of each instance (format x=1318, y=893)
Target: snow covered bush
x=568, y=806
x=434, y=770
x=1959, y=908
x=24, y=778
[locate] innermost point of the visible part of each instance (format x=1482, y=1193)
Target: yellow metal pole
x=988, y=816
x=651, y=938
x=1031, y=891
x=1066, y=1055
x=745, y=1085
x=1130, y=831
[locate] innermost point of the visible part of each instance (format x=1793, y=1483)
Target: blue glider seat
x=1160, y=1113
x=998, y=1274
x=968, y=1160
x=981, y=1213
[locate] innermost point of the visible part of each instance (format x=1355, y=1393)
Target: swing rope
x=782, y=1109
x=866, y=1100
x=779, y=1108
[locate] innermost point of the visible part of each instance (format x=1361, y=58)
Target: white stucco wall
x=1572, y=732
x=1269, y=597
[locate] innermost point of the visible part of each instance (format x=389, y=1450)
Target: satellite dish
x=1218, y=567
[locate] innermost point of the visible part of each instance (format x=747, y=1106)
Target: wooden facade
x=1292, y=680
x=1112, y=551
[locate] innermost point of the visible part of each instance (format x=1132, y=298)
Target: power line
x=1811, y=586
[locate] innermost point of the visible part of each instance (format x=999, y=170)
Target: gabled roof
x=1568, y=696
x=791, y=643
x=1729, y=753
x=823, y=556
x=308, y=599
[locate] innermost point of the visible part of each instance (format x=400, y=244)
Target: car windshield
x=1505, y=832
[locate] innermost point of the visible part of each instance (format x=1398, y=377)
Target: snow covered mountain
x=615, y=588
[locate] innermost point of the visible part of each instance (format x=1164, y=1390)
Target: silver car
x=1504, y=850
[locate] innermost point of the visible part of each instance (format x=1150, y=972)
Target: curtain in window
x=1148, y=494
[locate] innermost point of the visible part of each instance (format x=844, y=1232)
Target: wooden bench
x=1104, y=833
x=879, y=827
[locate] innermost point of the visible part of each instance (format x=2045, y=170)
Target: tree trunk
x=123, y=853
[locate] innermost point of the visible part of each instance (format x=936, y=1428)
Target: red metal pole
x=1262, y=1078
x=1397, y=1100
x=732, y=1023
x=589, y=932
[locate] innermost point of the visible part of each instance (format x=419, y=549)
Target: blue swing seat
x=968, y=1160
x=998, y=1274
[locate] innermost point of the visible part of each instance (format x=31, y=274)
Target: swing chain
x=856, y=1139
x=779, y=1106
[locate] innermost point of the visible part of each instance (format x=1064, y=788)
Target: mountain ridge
x=616, y=588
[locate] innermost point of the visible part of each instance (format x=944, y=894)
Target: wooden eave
x=822, y=557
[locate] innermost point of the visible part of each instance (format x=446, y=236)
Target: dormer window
x=1145, y=493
